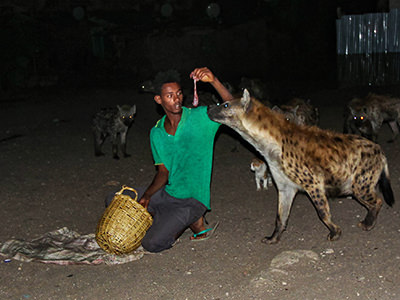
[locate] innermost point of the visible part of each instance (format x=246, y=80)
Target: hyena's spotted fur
x=366, y=115
x=299, y=111
x=302, y=158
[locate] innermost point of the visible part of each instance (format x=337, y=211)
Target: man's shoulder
x=200, y=111
x=159, y=123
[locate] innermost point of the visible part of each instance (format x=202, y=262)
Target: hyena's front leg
x=395, y=130
x=285, y=200
x=320, y=201
x=115, y=145
x=123, y=144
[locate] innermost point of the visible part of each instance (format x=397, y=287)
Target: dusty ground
x=51, y=179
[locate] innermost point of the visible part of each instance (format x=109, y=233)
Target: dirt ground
x=51, y=179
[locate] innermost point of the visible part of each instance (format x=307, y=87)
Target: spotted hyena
x=299, y=111
x=113, y=122
x=319, y=162
x=366, y=115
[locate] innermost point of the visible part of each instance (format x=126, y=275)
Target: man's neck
x=171, y=123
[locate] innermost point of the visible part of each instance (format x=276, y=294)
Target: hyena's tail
x=384, y=184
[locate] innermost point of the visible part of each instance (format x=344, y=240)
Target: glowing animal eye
x=226, y=105
x=362, y=118
x=355, y=118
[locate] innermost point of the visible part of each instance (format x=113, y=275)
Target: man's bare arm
x=159, y=180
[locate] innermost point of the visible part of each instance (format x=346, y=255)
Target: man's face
x=171, y=98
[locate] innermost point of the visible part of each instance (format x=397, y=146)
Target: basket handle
x=124, y=187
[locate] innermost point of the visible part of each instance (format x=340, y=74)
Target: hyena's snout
x=214, y=112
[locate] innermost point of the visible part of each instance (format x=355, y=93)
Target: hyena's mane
x=260, y=118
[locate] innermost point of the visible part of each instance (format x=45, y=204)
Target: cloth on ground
x=65, y=247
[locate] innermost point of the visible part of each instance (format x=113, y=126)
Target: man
x=182, y=146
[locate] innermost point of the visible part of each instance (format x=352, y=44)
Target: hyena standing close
x=319, y=162
x=112, y=121
x=366, y=115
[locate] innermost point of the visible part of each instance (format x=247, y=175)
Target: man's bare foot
x=198, y=227
x=204, y=234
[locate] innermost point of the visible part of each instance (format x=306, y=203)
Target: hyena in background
x=256, y=87
x=299, y=111
x=319, y=162
x=366, y=115
x=112, y=121
x=261, y=173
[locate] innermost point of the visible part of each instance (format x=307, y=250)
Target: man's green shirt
x=187, y=155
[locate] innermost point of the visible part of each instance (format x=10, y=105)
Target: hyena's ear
x=277, y=109
x=133, y=109
x=246, y=100
x=294, y=110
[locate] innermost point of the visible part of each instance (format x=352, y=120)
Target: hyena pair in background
x=366, y=115
x=319, y=162
x=113, y=122
x=299, y=111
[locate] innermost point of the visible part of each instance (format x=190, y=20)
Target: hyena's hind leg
x=285, y=201
x=320, y=201
x=368, y=197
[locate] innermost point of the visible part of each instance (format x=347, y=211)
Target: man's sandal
x=209, y=232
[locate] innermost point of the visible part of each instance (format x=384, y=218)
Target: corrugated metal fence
x=368, y=48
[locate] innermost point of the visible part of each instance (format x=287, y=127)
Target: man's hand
x=202, y=74
x=144, y=201
x=205, y=75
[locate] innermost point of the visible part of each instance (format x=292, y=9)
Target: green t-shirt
x=187, y=155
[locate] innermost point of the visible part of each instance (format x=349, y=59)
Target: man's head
x=170, y=97
x=168, y=91
x=168, y=76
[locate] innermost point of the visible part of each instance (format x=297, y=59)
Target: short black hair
x=163, y=77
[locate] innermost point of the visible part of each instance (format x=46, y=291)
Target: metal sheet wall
x=368, y=48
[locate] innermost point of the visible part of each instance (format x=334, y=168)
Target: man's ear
x=157, y=98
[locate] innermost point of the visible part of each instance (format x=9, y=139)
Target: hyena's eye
x=226, y=105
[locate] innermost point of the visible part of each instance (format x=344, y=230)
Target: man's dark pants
x=171, y=217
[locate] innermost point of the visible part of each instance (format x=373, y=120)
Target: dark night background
x=89, y=43
x=61, y=61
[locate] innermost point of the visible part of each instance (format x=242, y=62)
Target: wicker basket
x=123, y=224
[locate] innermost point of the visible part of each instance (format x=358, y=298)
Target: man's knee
x=156, y=245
